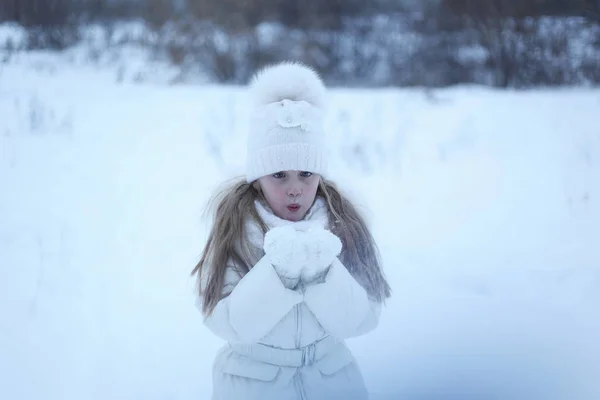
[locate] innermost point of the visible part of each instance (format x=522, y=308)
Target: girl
x=290, y=268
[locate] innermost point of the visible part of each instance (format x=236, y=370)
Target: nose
x=294, y=191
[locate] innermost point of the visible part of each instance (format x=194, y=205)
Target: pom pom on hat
x=286, y=125
x=288, y=80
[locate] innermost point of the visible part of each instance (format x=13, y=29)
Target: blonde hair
x=227, y=244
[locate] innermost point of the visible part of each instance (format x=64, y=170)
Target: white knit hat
x=286, y=123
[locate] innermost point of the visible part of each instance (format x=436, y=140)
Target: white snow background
x=485, y=205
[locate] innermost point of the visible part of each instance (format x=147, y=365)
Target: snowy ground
x=486, y=206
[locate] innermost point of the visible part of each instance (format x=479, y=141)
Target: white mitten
x=321, y=247
x=286, y=253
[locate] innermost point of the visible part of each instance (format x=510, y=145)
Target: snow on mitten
x=321, y=247
x=285, y=253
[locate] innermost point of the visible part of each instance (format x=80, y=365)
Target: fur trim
x=317, y=215
x=287, y=80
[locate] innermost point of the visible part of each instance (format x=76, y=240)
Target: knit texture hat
x=286, y=123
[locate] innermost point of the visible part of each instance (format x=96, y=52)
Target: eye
x=305, y=174
x=278, y=175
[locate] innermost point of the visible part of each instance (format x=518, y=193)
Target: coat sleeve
x=255, y=304
x=341, y=304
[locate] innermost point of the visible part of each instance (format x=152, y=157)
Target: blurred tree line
x=347, y=40
x=305, y=14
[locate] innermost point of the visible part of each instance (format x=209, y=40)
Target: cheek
x=277, y=193
x=314, y=186
x=279, y=198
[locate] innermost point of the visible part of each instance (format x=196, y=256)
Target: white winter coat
x=289, y=344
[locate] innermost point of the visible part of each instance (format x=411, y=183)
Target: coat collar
x=317, y=214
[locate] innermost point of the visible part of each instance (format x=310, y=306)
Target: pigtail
x=360, y=254
x=226, y=245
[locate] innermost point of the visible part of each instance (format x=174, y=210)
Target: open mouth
x=293, y=207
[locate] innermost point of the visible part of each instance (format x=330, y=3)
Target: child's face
x=290, y=193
